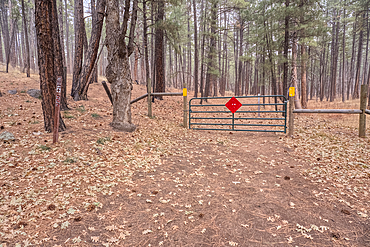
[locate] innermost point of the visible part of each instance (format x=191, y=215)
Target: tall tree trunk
x=159, y=51
x=367, y=44
x=312, y=85
x=286, y=50
x=27, y=62
x=45, y=49
x=238, y=91
x=196, y=56
x=332, y=67
x=211, y=68
x=204, y=16
x=272, y=65
x=1, y=48
x=69, y=54
x=297, y=104
x=80, y=88
x=236, y=54
x=8, y=52
x=78, y=51
x=350, y=81
x=145, y=41
x=58, y=56
x=344, y=55
x=303, y=77
x=118, y=69
x=5, y=27
x=61, y=29
x=355, y=94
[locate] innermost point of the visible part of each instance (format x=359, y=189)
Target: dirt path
x=239, y=189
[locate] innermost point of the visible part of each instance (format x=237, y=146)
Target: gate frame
x=284, y=104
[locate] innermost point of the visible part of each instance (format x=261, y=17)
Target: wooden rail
x=166, y=94
x=338, y=111
x=155, y=94
x=362, y=112
x=139, y=98
x=149, y=95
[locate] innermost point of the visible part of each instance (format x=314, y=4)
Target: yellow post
x=291, y=108
x=185, y=96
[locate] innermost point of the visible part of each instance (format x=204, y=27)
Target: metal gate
x=260, y=113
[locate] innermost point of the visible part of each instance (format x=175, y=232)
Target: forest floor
x=164, y=185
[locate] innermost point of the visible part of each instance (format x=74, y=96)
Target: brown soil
x=163, y=185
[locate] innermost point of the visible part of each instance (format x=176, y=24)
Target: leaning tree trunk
x=118, y=70
x=79, y=90
x=45, y=50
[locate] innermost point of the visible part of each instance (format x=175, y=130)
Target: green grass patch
x=68, y=115
x=95, y=115
x=70, y=160
x=44, y=148
x=103, y=140
x=23, y=91
x=81, y=109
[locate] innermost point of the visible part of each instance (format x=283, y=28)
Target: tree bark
x=5, y=27
x=303, y=77
x=297, y=104
x=349, y=86
x=68, y=59
x=1, y=48
x=80, y=88
x=196, y=56
x=145, y=41
x=211, y=68
x=45, y=49
x=238, y=91
x=27, y=62
x=355, y=94
x=344, y=55
x=78, y=51
x=9, y=51
x=286, y=50
x=118, y=69
x=58, y=56
x=160, y=85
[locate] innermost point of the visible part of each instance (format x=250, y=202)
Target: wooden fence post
x=185, y=95
x=362, y=123
x=58, y=93
x=107, y=91
x=150, y=113
x=291, y=116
